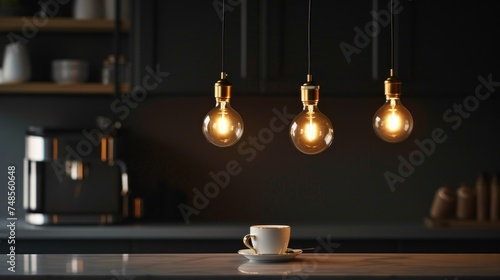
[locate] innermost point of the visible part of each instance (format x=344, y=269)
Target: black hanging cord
x=309, y=40
x=392, y=37
x=223, y=29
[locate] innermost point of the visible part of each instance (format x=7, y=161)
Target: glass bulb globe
x=392, y=122
x=311, y=131
x=223, y=126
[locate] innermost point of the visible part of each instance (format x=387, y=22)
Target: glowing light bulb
x=392, y=122
x=311, y=131
x=223, y=126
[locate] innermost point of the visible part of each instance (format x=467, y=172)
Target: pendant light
x=310, y=131
x=223, y=126
x=392, y=122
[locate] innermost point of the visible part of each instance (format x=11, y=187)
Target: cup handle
x=246, y=238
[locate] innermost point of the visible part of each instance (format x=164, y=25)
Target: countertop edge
x=407, y=231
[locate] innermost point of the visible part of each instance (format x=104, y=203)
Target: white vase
x=88, y=9
x=16, y=64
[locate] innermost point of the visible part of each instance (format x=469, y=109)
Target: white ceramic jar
x=16, y=64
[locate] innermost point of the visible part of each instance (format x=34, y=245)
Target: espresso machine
x=74, y=176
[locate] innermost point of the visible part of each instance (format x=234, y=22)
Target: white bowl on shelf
x=66, y=71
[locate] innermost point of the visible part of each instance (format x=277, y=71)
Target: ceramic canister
x=16, y=65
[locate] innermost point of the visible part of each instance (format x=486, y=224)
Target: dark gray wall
x=345, y=183
x=168, y=157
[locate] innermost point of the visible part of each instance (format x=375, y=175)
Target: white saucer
x=275, y=268
x=290, y=254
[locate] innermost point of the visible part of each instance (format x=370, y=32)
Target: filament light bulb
x=311, y=131
x=392, y=122
x=223, y=126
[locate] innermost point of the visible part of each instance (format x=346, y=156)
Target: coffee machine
x=74, y=176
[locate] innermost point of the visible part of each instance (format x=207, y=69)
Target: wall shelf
x=456, y=223
x=56, y=24
x=53, y=88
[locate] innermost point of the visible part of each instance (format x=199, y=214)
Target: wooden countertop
x=232, y=265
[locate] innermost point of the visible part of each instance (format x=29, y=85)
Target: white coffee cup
x=268, y=239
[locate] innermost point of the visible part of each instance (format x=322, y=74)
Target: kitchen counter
x=227, y=238
x=232, y=266
x=412, y=231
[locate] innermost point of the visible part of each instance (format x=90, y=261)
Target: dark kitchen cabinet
x=452, y=44
x=265, y=45
x=184, y=38
x=440, y=47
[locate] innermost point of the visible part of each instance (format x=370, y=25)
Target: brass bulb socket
x=392, y=87
x=309, y=92
x=222, y=88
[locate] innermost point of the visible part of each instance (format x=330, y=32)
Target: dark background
x=442, y=47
